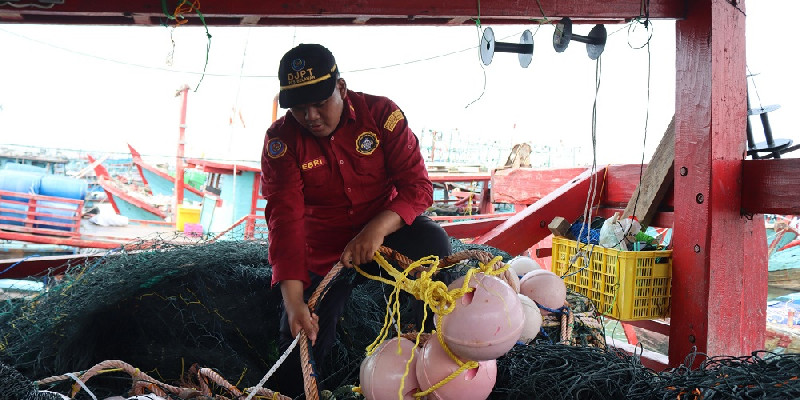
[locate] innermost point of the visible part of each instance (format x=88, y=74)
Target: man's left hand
x=362, y=248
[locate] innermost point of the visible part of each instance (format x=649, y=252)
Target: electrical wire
x=237, y=75
x=127, y=154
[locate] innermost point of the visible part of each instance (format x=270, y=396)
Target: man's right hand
x=297, y=312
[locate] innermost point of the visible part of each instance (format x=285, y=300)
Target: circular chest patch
x=366, y=143
x=276, y=148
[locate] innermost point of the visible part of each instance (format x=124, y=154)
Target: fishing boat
x=130, y=200
x=714, y=191
x=784, y=253
x=159, y=181
x=40, y=161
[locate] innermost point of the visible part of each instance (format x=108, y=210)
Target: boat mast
x=184, y=92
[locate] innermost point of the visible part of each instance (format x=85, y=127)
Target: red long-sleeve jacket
x=322, y=191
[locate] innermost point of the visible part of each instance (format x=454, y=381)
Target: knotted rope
x=434, y=294
x=309, y=375
x=144, y=383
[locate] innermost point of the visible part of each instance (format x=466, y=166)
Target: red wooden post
x=184, y=92
x=756, y=263
x=709, y=274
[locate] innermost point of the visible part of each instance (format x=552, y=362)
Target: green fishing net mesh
x=167, y=307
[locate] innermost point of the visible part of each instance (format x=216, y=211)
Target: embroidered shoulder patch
x=395, y=117
x=366, y=143
x=276, y=148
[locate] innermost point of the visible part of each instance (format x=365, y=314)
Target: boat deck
x=130, y=232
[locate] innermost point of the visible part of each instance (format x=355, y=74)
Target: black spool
x=595, y=41
x=524, y=48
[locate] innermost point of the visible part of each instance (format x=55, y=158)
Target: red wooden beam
x=710, y=301
x=771, y=186
x=341, y=12
x=220, y=168
x=529, y=226
x=543, y=252
x=620, y=185
x=472, y=228
x=446, y=177
x=529, y=185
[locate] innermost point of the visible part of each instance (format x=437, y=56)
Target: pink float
x=533, y=319
x=381, y=373
x=434, y=365
x=522, y=265
x=533, y=273
x=545, y=288
x=486, y=322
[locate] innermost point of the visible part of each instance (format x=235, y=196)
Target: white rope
x=272, y=370
x=80, y=382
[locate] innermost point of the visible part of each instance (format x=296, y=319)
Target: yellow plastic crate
x=625, y=285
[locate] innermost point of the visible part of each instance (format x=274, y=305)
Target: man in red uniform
x=342, y=174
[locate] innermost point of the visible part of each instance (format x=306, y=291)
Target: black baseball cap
x=307, y=74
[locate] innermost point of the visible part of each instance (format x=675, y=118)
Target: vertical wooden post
x=711, y=297
x=756, y=263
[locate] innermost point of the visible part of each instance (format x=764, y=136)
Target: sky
x=100, y=87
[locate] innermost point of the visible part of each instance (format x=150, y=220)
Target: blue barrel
x=63, y=186
x=5, y=205
x=20, y=182
x=56, y=212
x=25, y=167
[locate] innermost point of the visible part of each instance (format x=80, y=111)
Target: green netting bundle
x=161, y=309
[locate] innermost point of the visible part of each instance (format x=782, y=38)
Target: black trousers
x=422, y=238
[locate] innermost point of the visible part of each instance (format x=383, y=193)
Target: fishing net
x=548, y=371
x=161, y=309
x=171, y=309
x=580, y=326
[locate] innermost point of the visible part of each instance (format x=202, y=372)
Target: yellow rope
x=434, y=294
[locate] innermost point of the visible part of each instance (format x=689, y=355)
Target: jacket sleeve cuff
x=405, y=212
x=293, y=274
